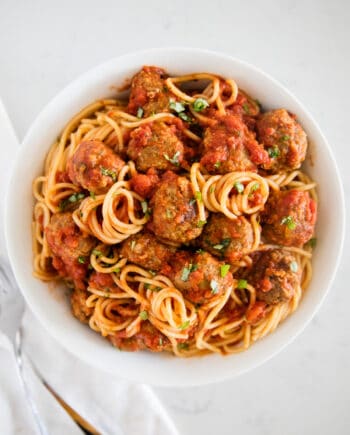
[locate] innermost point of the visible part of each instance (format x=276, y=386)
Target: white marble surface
x=305, y=45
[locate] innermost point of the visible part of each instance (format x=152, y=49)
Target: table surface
x=305, y=45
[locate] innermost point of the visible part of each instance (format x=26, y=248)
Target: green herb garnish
x=214, y=287
x=312, y=242
x=201, y=224
x=109, y=173
x=70, y=200
x=81, y=259
x=97, y=253
x=144, y=207
x=177, y=106
x=273, y=152
x=185, y=117
x=242, y=284
x=198, y=196
x=183, y=346
x=200, y=104
x=217, y=165
x=224, y=270
x=139, y=112
x=294, y=266
x=143, y=315
x=174, y=160
x=239, y=187
x=289, y=222
x=246, y=109
x=185, y=325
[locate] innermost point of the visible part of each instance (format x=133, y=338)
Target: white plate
x=53, y=309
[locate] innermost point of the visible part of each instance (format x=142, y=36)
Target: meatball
x=149, y=337
x=103, y=282
x=174, y=212
x=145, y=250
x=70, y=248
x=275, y=276
x=227, y=238
x=156, y=145
x=148, y=91
x=94, y=166
x=284, y=139
x=199, y=276
x=230, y=146
x=79, y=308
x=145, y=184
x=290, y=218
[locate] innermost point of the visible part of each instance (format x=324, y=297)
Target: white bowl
x=52, y=308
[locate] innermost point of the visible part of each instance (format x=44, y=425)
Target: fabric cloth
x=112, y=405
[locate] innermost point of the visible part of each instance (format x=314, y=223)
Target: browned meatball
x=148, y=91
x=145, y=250
x=275, y=276
x=145, y=184
x=148, y=337
x=79, y=308
x=283, y=138
x=290, y=218
x=227, y=238
x=70, y=248
x=156, y=146
x=199, y=276
x=94, y=166
x=230, y=146
x=175, y=214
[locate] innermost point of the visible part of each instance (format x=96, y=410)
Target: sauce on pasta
x=180, y=217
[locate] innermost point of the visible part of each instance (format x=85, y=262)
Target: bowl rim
x=124, y=59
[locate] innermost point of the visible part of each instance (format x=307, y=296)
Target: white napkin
x=110, y=404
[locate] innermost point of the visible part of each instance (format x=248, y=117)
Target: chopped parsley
x=198, y=196
x=144, y=207
x=185, y=325
x=109, y=173
x=192, y=201
x=294, y=266
x=116, y=270
x=242, y=284
x=214, y=287
x=217, y=165
x=254, y=187
x=187, y=270
x=174, y=160
x=224, y=269
x=223, y=244
x=177, y=106
x=273, y=152
x=312, y=242
x=143, y=315
x=169, y=213
x=81, y=259
x=185, y=117
x=200, y=104
x=182, y=346
x=289, y=222
x=285, y=137
x=201, y=224
x=140, y=112
x=239, y=187
x=71, y=199
x=97, y=253
x=199, y=251
x=246, y=109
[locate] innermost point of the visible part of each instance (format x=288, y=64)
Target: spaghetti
x=206, y=250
